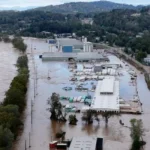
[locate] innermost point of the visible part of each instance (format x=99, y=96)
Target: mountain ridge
x=86, y=7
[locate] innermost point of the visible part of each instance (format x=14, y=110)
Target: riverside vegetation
x=14, y=103
x=137, y=133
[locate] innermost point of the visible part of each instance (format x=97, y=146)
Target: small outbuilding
x=86, y=143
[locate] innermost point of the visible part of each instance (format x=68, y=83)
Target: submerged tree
x=137, y=133
x=61, y=134
x=56, y=108
x=89, y=115
x=107, y=114
x=19, y=44
x=72, y=119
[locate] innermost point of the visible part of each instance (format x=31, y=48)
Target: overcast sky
x=25, y=3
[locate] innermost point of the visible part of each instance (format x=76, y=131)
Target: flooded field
x=7, y=67
x=39, y=130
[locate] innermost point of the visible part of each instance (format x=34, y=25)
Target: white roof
x=68, y=42
x=83, y=143
x=104, y=71
x=107, y=85
x=106, y=102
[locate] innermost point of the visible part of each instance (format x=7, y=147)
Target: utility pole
x=25, y=145
x=31, y=110
x=29, y=141
x=34, y=89
x=36, y=78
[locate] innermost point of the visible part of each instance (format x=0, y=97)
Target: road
x=118, y=50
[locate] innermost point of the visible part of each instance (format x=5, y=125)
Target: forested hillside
x=86, y=7
x=119, y=27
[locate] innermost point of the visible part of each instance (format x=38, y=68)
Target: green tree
x=10, y=121
x=16, y=97
x=137, y=133
x=140, y=55
x=19, y=44
x=6, y=138
x=22, y=62
x=56, y=108
x=108, y=114
x=10, y=109
x=72, y=119
x=89, y=115
x=6, y=38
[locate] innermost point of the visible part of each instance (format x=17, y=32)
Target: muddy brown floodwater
x=41, y=129
x=7, y=66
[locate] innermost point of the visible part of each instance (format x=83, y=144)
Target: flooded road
x=39, y=130
x=7, y=67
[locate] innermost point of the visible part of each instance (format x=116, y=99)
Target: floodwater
x=7, y=67
x=39, y=130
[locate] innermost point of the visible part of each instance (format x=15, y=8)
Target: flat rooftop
x=106, y=102
x=83, y=143
x=107, y=85
x=78, y=56
x=68, y=42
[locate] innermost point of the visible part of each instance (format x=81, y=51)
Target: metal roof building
x=59, y=56
x=68, y=42
x=107, y=86
x=86, y=143
x=106, y=96
x=74, y=45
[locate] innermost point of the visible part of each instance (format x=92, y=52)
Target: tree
x=22, y=62
x=72, y=119
x=6, y=38
x=107, y=114
x=10, y=121
x=16, y=97
x=137, y=133
x=89, y=115
x=61, y=134
x=56, y=108
x=140, y=55
x=6, y=138
x=10, y=109
x=19, y=44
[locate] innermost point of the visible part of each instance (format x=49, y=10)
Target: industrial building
x=86, y=143
x=106, y=96
x=68, y=45
x=100, y=67
x=147, y=59
x=78, y=57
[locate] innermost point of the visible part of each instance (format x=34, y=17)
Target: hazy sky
x=24, y=3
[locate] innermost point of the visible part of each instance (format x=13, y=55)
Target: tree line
x=120, y=27
x=19, y=44
x=13, y=105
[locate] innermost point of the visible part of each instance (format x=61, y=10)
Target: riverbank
x=7, y=66
x=12, y=107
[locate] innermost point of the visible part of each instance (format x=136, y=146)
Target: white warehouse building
x=106, y=97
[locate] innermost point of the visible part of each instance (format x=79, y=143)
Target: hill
x=86, y=7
